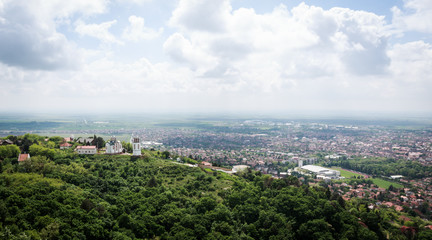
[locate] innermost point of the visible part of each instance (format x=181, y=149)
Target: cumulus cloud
x=361, y=38
x=329, y=54
x=139, y=2
x=307, y=41
x=29, y=38
x=99, y=31
x=218, y=58
x=416, y=16
x=138, y=31
x=201, y=15
x=35, y=50
x=412, y=62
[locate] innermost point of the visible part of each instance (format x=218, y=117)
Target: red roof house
x=23, y=156
x=65, y=145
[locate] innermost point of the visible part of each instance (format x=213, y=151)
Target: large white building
x=86, y=149
x=113, y=146
x=136, y=146
x=322, y=172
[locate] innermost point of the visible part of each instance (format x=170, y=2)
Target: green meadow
x=345, y=173
x=385, y=184
x=377, y=181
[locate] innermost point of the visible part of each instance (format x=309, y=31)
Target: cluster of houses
x=113, y=146
x=21, y=157
x=410, y=198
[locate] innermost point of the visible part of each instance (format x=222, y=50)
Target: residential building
x=65, y=145
x=86, y=149
x=22, y=157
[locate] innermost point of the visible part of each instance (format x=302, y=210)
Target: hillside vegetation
x=62, y=195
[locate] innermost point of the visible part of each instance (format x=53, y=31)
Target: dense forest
x=58, y=194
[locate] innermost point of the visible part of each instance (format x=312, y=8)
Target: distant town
x=340, y=156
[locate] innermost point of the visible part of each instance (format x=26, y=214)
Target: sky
x=117, y=56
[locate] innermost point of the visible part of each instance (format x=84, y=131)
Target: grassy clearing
x=377, y=181
x=385, y=184
x=345, y=173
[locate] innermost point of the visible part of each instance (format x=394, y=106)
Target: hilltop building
x=136, y=144
x=86, y=149
x=113, y=146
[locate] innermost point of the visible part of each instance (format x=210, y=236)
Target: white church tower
x=136, y=146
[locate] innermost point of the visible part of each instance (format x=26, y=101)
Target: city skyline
x=216, y=56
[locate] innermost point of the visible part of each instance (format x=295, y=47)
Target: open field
x=377, y=181
x=385, y=184
x=346, y=173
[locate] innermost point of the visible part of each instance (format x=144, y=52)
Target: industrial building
x=322, y=173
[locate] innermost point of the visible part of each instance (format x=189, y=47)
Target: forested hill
x=70, y=196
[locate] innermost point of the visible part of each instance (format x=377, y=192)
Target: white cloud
x=99, y=31
x=202, y=15
x=416, y=16
x=29, y=36
x=184, y=51
x=304, y=42
x=138, y=31
x=412, y=62
x=138, y=2
x=329, y=55
x=218, y=58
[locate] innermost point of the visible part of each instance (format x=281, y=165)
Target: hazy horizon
x=181, y=116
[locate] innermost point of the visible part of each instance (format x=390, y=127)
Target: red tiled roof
x=23, y=157
x=404, y=218
x=86, y=147
x=65, y=145
x=398, y=208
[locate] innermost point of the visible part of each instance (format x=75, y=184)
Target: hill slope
x=69, y=196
